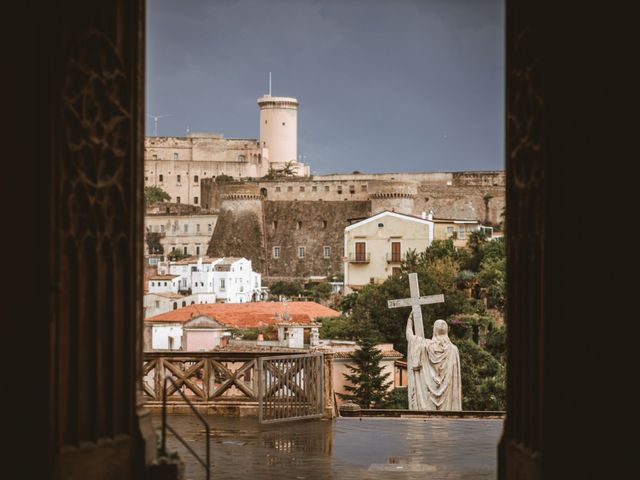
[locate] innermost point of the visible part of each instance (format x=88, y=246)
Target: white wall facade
x=168, y=284
x=231, y=280
x=166, y=337
x=155, y=304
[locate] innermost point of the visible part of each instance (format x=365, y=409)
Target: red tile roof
x=246, y=315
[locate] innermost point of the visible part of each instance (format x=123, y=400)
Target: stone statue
x=433, y=367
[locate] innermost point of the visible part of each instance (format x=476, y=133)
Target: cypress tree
x=368, y=385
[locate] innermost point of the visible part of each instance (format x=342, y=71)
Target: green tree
x=177, y=254
x=492, y=276
x=289, y=289
x=339, y=328
x=398, y=398
x=321, y=291
x=368, y=385
x=155, y=195
x=224, y=178
x=153, y=243
x=480, y=373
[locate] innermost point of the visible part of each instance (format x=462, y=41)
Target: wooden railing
x=204, y=377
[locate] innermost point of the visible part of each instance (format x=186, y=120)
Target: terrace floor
x=348, y=448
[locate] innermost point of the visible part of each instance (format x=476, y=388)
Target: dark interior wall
x=571, y=151
x=74, y=183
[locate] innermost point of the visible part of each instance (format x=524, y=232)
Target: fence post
x=328, y=391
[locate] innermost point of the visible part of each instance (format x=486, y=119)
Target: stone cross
x=414, y=302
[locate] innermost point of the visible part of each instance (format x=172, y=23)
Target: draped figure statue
x=433, y=368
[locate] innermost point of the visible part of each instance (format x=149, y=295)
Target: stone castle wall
x=256, y=216
x=312, y=225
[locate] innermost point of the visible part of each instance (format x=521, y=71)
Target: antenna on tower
x=269, y=83
x=155, y=122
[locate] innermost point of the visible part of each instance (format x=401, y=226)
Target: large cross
x=414, y=302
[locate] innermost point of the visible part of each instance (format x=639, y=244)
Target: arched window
x=242, y=158
x=175, y=305
x=184, y=304
x=263, y=192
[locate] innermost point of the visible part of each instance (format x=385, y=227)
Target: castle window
x=300, y=252
x=289, y=189
x=326, y=188
x=276, y=252
x=339, y=188
x=186, y=227
x=178, y=178
x=195, y=200
x=175, y=156
x=197, y=227
x=153, y=284
x=146, y=179
x=327, y=251
x=195, y=179
x=363, y=188
x=299, y=225
x=185, y=249
x=177, y=199
x=302, y=189
x=197, y=249
x=264, y=192
x=278, y=189
x=175, y=305
x=242, y=158
x=324, y=224
x=352, y=189
x=162, y=228
x=314, y=189
x=275, y=224
x=160, y=178
x=210, y=227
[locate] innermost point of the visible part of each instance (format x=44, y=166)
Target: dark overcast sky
x=403, y=85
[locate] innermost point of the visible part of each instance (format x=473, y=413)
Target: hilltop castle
x=178, y=164
x=268, y=219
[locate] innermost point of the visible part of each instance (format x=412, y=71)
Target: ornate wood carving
x=525, y=165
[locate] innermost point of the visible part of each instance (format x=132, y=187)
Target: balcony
x=359, y=257
x=394, y=258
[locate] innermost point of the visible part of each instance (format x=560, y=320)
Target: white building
x=157, y=303
x=163, y=283
x=231, y=279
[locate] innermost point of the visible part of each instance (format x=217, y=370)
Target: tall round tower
x=279, y=128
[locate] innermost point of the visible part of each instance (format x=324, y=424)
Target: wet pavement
x=348, y=448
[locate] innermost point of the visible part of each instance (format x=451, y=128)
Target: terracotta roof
x=163, y=277
x=246, y=315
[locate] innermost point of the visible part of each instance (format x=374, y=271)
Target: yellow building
x=459, y=230
x=376, y=246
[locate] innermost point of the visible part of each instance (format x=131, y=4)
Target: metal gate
x=291, y=387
